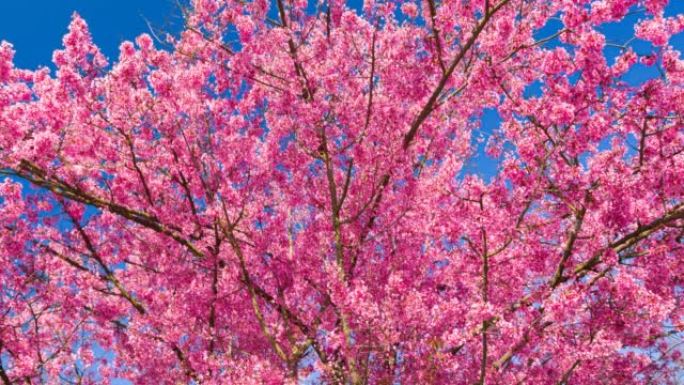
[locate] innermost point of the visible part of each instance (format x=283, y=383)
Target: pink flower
x=6, y=56
x=649, y=60
x=624, y=62
x=409, y=9
x=562, y=113
x=245, y=27
x=653, y=30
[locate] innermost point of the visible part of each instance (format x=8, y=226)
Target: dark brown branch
x=566, y=376
x=38, y=177
x=347, y=181
x=435, y=33
x=307, y=93
x=371, y=85
x=141, y=176
x=187, y=368
x=523, y=341
x=633, y=237
x=108, y=273
x=568, y=249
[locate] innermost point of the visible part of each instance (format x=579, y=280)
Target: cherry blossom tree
x=279, y=194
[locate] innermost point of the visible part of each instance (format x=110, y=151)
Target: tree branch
x=428, y=108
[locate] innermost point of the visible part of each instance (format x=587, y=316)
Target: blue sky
x=36, y=27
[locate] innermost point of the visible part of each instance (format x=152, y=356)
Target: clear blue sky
x=36, y=27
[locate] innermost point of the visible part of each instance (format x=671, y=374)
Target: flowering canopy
x=278, y=195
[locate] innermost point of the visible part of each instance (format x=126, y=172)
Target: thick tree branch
x=40, y=178
x=569, y=246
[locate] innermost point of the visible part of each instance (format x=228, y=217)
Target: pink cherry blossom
x=301, y=207
x=409, y=9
